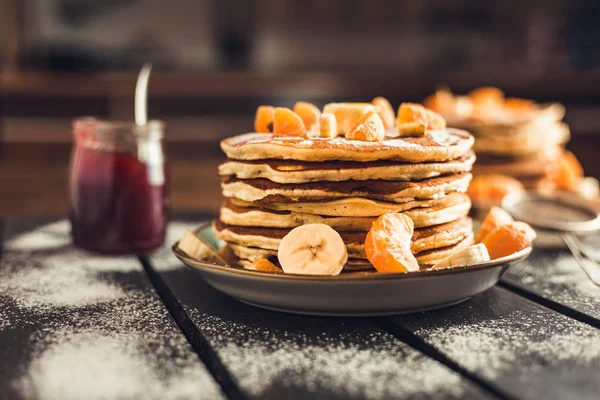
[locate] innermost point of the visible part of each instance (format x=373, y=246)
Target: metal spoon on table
x=564, y=218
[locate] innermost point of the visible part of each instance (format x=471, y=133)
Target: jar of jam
x=119, y=186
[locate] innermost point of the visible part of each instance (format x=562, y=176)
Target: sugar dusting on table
x=100, y=330
x=372, y=366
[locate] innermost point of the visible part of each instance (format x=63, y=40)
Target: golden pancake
x=264, y=191
x=352, y=206
x=433, y=256
x=524, y=143
x=456, y=206
x=423, y=238
x=441, y=145
x=291, y=171
x=525, y=166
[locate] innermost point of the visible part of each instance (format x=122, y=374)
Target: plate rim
x=351, y=276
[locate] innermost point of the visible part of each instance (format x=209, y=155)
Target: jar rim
x=153, y=129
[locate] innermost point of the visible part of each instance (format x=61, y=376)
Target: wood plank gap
x=408, y=337
x=193, y=335
x=551, y=304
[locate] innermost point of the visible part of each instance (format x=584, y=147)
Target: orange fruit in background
x=368, y=128
x=288, y=123
x=385, y=111
x=487, y=95
x=263, y=120
x=568, y=173
x=308, y=112
x=442, y=101
x=495, y=217
x=489, y=190
x=411, y=112
x=387, y=244
x=517, y=104
x=508, y=239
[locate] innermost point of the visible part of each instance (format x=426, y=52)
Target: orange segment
x=262, y=264
x=368, y=128
x=263, y=120
x=385, y=111
x=495, y=217
x=489, y=190
x=388, y=244
x=441, y=102
x=288, y=123
x=411, y=113
x=346, y=114
x=487, y=95
x=568, y=173
x=508, y=239
x=308, y=112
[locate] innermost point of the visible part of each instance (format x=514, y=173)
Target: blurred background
x=215, y=61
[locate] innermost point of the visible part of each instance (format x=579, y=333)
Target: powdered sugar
x=95, y=327
x=116, y=365
x=562, y=280
x=364, y=365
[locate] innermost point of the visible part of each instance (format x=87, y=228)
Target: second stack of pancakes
x=273, y=184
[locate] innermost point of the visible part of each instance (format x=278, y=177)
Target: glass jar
x=119, y=186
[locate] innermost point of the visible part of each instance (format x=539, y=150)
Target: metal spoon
x=141, y=95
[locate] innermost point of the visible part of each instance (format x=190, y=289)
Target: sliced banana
x=474, y=254
x=312, y=249
x=411, y=129
x=196, y=248
x=346, y=114
x=328, y=125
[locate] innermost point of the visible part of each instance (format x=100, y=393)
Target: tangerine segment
x=288, y=123
x=385, y=111
x=308, y=112
x=489, y=190
x=387, y=244
x=264, y=265
x=569, y=172
x=495, y=217
x=487, y=95
x=346, y=114
x=442, y=101
x=368, y=128
x=411, y=112
x=508, y=239
x=263, y=120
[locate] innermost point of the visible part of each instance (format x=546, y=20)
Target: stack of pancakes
x=524, y=148
x=274, y=184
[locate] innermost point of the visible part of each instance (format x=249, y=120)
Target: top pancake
x=441, y=145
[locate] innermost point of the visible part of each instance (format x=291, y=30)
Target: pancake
x=291, y=171
x=455, y=206
x=548, y=114
x=350, y=266
x=352, y=206
x=515, y=166
x=525, y=143
x=432, y=257
x=264, y=191
x=423, y=239
x=441, y=145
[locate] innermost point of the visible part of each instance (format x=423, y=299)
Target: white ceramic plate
x=350, y=294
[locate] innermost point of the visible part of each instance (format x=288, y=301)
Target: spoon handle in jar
x=591, y=268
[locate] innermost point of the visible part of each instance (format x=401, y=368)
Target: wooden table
x=79, y=326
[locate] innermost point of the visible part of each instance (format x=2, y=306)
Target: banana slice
x=468, y=256
x=328, y=126
x=196, y=248
x=346, y=114
x=411, y=129
x=312, y=249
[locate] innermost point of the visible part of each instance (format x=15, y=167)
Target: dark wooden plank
x=556, y=276
x=274, y=355
x=78, y=326
x=525, y=349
